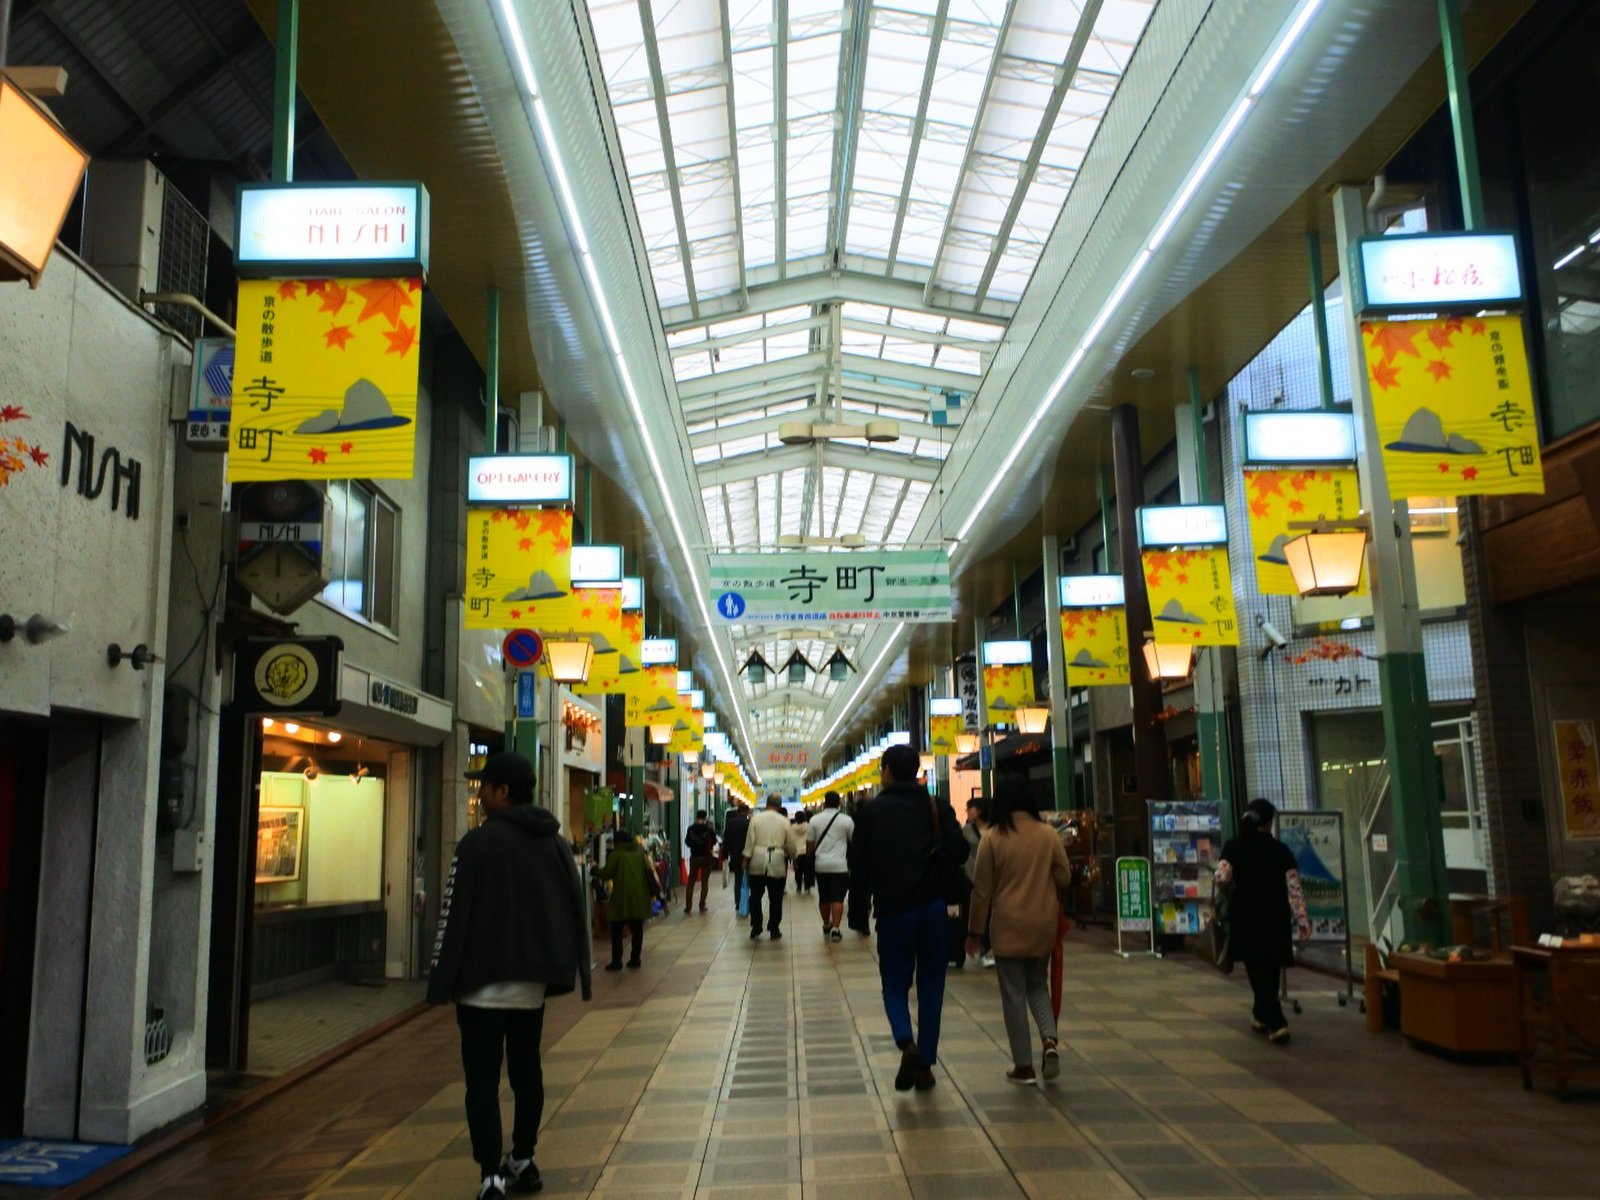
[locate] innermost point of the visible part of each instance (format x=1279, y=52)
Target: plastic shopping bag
x=743, y=900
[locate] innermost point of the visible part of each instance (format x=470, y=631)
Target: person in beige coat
x=1021, y=876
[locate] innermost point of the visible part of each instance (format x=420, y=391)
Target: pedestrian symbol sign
x=731, y=605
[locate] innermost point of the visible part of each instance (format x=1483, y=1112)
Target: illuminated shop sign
x=941, y=706
x=597, y=566
x=632, y=593
x=1183, y=525
x=1285, y=438
x=1427, y=272
x=658, y=652
x=306, y=228
x=1007, y=654
x=1091, y=591
x=520, y=479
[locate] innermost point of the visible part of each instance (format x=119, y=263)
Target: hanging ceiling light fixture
x=839, y=667
x=966, y=743
x=797, y=666
x=1167, y=662
x=569, y=660
x=1327, y=559
x=1032, y=718
x=758, y=668
x=708, y=770
x=660, y=735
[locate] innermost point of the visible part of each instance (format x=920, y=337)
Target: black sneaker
x=613, y=966
x=910, y=1064
x=521, y=1176
x=924, y=1079
x=835, y=936
x=775, y=936
x=755, y=934
x=493, y=1187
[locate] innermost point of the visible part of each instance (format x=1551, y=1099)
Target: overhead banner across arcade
x=822, y=588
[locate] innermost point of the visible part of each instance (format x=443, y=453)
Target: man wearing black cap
x=511, y=934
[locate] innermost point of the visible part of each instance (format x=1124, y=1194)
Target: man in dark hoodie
x=894, y=871
x=735, y=828
x=511, y=934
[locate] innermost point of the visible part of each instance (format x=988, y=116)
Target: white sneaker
x=492, y=1188
x=987, y=960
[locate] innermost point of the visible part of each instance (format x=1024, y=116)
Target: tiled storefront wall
x=1275, y=692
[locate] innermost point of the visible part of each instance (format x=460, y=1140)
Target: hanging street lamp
x=1327, y=559
x=569, y=660
x=839, y=667
x=966, y=743
x=1032, y=718
x=797, y=666
x=757, y=667
x=1167, y=662
x=660, y=735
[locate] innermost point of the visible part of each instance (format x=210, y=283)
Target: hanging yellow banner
x=518, y=567
x=1191, y=596
x=325, y=379
x=1006, y=689
x=652, y=697
x=1578, y=766
x=688, y=730
x=1454, y=406
x=617, y=669
x=942, y=734
x=599, y=620
x=1277, y=497
x=1096, y=644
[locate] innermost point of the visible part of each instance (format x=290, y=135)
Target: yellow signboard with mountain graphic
x=1191, y=596
x=1006, y=689
x=943, y=730
x=325, y=379
x=1277, y=497
x=616, y=636
x=1454, y=406
x=652, y=697
x=519, y=573
x=1096, y=646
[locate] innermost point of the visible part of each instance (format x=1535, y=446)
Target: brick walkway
x=757, y=1071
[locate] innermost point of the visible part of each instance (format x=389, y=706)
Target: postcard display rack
x=1185, y=844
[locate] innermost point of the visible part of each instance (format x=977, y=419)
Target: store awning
x=654, y=791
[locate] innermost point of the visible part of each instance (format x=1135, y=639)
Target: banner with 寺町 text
x=800, y=587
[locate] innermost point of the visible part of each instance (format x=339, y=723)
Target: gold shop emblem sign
x=286, y=674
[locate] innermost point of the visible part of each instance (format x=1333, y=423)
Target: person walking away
x=768, y=848
x=800, y=851
x=735, y=829
x=633, y=882
x=904, y=846
x=701, y=842
x=1021, y=875
x=1266, y=905
x=973, y=831
x=828, y=835
x=512, y=934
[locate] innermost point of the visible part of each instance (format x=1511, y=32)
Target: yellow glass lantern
x=1327, y=559
x=1168, y=662
x=569, y=660
x=1032, y=718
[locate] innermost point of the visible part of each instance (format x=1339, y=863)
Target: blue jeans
x=915, y=943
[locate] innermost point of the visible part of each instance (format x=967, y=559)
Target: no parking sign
x=522, y=648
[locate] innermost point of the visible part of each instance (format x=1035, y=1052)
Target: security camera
x=1273, y=635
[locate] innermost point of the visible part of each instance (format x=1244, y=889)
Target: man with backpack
x=701, y=842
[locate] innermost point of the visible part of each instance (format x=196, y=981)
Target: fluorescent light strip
x=552, y=156
x=1197, y=175
x=1568, y=257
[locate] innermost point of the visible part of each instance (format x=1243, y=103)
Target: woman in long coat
x=629, y=873
x=1266, y=907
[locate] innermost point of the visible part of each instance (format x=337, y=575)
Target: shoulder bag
x=954, y=885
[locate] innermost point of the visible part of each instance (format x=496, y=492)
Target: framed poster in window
x=279, y=837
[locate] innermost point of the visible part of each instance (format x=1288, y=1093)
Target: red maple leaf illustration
x=521, y=520
x=1439, y=334
x=1197, y=634
x=316, y=287
x=524, y=543
x=552, y=521
x=516, y=612
x=1469, y=473
x=1185, y=557
x=401, y=339
x=1394, y=338
x=346, y=447
x=338, y=337
x=1297, y=506
x=13, y=412
x=1267, y=483
x=1385, y=375
x=498, y=514
x=39, y=456
x=1439, y=369
x=317, y=454
x=384, y=298
x=1181, y=577
x=561, y=544
x=1477, y=328
x=288, y=290
x=414, y=285
x=334, y=297
x=1300, y=482
x=1259, y=507
x=1444, y=468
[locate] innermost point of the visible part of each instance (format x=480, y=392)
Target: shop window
x=363, y=544
x=1441, y=582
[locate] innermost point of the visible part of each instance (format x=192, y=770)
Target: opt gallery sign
x=820, y=588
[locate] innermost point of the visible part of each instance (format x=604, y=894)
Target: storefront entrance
x=22, y=771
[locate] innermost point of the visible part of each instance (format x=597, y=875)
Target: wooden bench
x=1558, y=1006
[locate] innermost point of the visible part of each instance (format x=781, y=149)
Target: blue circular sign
x=731, y=605
x=522, y=648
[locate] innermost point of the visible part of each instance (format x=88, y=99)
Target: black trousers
x=770, y=886
x=484, y=1031
x=1265, y=976
x=636, y=930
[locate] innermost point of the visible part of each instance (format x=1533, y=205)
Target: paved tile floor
x=757, y=1071
x=297, y=1026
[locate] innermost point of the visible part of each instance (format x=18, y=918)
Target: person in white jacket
x=768, y=848
x=829, y=835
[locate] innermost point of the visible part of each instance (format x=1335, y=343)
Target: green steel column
x=1402, y=672
x=1461, y=121
x=491, y=374
x=1062, y=749
x=1319, y=316
x=636, y=805
x=286, y=86
x=1105, y=521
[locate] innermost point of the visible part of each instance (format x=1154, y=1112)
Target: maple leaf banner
x=688, y=730
x=1096, y=645
x=942, y=734
x=1191, y=596
x=1454, y=406
x=652, y=697
x=1006, y=689
x=609, y=629
x=325, y=379
x=1274, y=498
x=519, y=569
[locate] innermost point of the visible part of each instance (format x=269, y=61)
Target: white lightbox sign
x=519, y=479
x=685, y=682
x=1091, y=591
x=1299, y=437
x=596, y=566
x=1183, y=525
x=898, y=738
x=304, y=229
x=1429, y=271
x=1007, y=654
x=658, y=652
x=945, y=706
x=711, y=720
x=697, y=698
x=632, y=593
